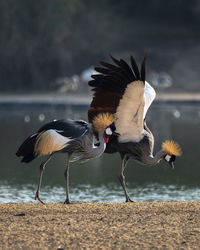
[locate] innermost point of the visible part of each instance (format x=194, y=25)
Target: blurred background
x=45, y=40
x=48, y=50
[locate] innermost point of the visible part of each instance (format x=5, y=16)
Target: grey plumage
x=75, y=138
x=83, y=148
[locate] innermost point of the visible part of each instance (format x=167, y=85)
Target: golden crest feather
x=102, y=121
x=171, y=148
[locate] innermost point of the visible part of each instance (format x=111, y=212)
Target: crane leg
x=42, y=167
x=122, y=177
x=66, y=174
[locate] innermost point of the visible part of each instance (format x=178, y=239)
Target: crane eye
x=108, y=131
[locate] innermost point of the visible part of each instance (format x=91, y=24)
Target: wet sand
x=140, y=225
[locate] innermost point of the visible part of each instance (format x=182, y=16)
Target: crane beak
x=172, y=165
x=116, y=133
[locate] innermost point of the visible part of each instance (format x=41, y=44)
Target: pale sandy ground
x=140, y=225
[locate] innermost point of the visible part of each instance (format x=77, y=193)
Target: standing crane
x=74, y=137
x=121, y=90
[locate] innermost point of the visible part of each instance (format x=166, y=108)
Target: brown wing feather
x=109, y=86
x=105, y=100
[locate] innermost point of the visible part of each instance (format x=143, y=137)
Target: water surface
x=97, y=179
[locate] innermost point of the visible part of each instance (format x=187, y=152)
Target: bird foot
x=67, y=201
x=37, y=197
x=128, y=200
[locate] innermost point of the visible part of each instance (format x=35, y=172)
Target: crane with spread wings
x=121, y=90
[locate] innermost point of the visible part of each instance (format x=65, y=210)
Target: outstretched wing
x=120, y=89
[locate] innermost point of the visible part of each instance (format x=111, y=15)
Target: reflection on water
x=97, y=179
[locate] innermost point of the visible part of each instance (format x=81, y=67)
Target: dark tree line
x=46, y=39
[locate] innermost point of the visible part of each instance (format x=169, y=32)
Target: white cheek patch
x=108, y=131
x=168, y=158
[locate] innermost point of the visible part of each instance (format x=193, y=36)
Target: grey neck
x=97, y=151
x=153, y=160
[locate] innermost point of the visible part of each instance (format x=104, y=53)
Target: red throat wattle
x=106, y=139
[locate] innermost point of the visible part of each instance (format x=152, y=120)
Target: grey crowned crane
x=73, y=137
x=121, y=90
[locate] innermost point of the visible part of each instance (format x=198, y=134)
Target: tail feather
x=26, y=150
x=28, y=158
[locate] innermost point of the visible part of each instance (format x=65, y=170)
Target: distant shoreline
x=77, y=99
x=139, y=225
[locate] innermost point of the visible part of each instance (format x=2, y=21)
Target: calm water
x=97, y=180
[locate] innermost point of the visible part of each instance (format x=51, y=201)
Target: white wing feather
x=149, y=95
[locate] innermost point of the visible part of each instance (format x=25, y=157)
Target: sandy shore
x=140, y=225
